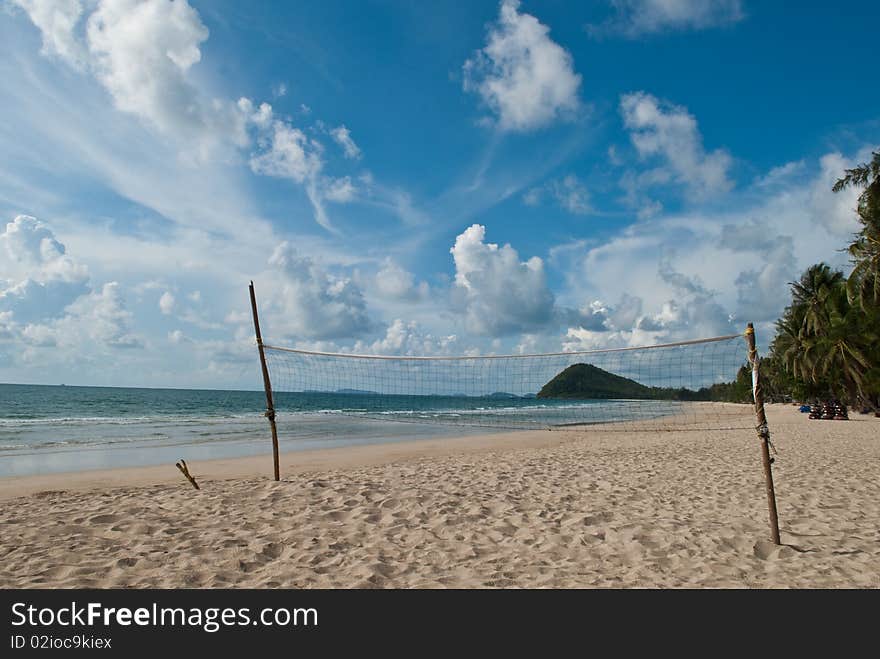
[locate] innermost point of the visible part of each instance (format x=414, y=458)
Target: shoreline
x=293, y=462
x=637, y=509
x=472, y=439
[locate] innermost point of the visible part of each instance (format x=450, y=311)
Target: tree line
x=827, y=343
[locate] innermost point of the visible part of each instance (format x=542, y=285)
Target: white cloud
x=262, y=117
x=143, y=54
x=782, y=175
x=703, y=273
x=521, y=74
x=498, y=293
x=572, y=195
x=395, y=283
x=532, y=196
x=342, y=136
x=634, y=18
x=166, y=303
x=102, y=317
x=569, y=192
x=340, y=190
x=94, y=322
x=290, y=154
x=396, y=201
x=29, y=245
x=40, y=278
x=47, y=300
x=763, y=290
x=408, y=338
x=835, y=212
x=57, y=20
x=313, y=304
x=670, y=134
x=177, y=337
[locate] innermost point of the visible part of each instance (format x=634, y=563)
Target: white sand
x=536, y=509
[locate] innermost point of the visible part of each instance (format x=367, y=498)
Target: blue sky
x=412, y=178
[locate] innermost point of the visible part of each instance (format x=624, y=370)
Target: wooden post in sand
x=763, y=433
x=270, y=405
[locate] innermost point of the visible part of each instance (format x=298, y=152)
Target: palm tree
x=863, y=284
x=827, y=339
x=790, y=346
x=815, y=295
x=864, y=281
x=820, y=338
x=839, y=356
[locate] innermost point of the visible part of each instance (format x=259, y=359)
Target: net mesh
x=668, y=387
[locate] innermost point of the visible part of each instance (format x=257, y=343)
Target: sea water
x=65, y=428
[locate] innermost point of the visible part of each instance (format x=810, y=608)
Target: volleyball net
x=698, y=384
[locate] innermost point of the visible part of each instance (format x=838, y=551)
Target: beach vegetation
x=827, y=342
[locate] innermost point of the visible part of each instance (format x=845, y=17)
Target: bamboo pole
x=763, y=433
x=267, y=384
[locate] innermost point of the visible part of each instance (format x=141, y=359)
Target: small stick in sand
x=185, y=471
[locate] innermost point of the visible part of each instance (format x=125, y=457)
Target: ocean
x=47, y=429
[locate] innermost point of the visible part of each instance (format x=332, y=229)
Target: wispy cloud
x=635, y=18
x=569, y=192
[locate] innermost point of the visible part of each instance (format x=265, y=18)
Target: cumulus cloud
x=691, y=310
x=57, y=21
x=40, y=278
x=396, y=283
x=166, y=303
x=143, y=53
x=736, y=266
x=635, y=18
x=408, y=338
x=289, y=154
x=763, y=289
x=100, y=317
x=342, y=136
x=498, y=293
x=669, y=134
x=524, y=77
x=95, y=321
x=46, y=299
x=313, y=304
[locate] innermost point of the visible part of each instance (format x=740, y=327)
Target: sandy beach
x=569, y=509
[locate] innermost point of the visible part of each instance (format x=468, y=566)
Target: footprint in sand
x=766, y=550
x=273, y=550
x=338, y=515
